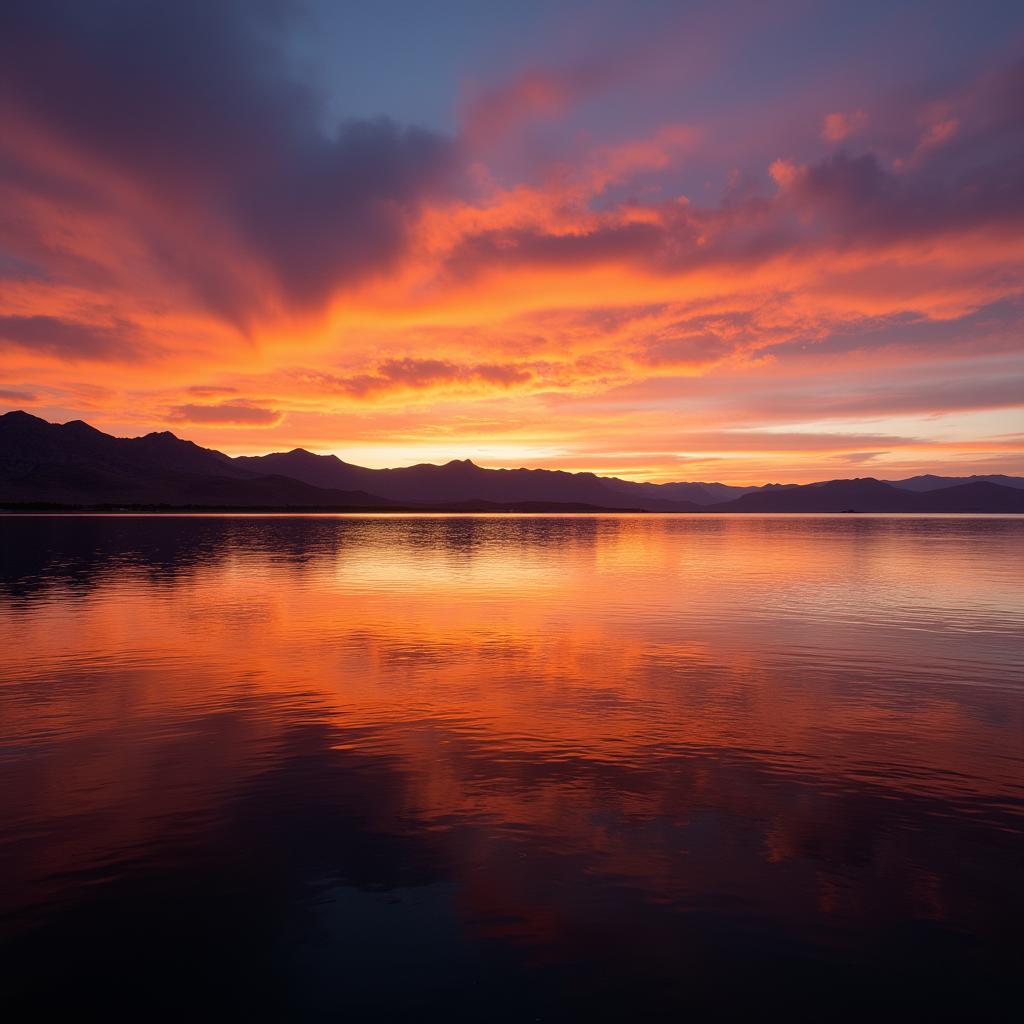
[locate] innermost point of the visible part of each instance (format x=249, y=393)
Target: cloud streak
x=225, y=414
x=65, y=339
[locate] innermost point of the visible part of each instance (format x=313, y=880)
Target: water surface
x=511, y=767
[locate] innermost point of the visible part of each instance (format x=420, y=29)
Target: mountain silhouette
x=870, y=495
x=462, y=480
x=73, y=464
x=930, y=482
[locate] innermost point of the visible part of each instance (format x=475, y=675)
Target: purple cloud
x=193, y=103
x=67, y=339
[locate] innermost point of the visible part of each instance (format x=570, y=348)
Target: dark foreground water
x=511, y=768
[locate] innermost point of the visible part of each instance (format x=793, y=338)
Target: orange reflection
x=564, y=684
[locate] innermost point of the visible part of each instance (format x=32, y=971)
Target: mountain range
x=76, y=465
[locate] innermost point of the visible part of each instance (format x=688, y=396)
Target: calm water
x=511, y=768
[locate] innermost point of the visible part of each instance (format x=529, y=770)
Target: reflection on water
x=510, y=767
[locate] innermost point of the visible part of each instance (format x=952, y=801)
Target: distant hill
x=871, y=495
x=462, y=481
x=73, y=464
x=929, y=482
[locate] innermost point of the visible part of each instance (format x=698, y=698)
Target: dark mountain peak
x=866, y=482
x=309, y=467
x=165, y=440
x=464, y=463
x=302, y=456
x=930, y=482
x=20, y=416
x=312, y=457
x=82, y=428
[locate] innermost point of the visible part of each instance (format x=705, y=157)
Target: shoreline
x=522, y=510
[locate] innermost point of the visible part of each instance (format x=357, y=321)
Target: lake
x=511, y=767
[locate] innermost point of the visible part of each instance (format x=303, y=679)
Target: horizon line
x=501, y=469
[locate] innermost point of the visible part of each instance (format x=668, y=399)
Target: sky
x=743, y=242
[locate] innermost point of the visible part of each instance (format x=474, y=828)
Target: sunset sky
x=666, y=241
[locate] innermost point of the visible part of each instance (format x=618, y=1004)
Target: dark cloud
x=671, y=237
x=225, y=414
x=17, y=396
x=971, y=175
x=68, y=339
x=193, y=103
x=495, y=373
x=414, y=374
x=537, y=247
x=968, y=177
